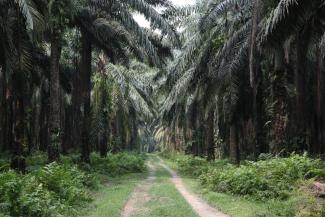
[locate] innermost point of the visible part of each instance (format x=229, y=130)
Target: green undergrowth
x=268, y=187
x=118, y=164
x=59, y=189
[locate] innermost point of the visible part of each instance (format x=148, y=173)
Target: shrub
x=36, y=161
x=274, y=178
x=192, y=166
x=118, y=164
x=70, y=159
x=168, y=154
x=4, y=165
x=66, y=182
x=50, y=191
x=25, y=196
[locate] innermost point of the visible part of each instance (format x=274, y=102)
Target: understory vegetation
x=284, y=183
x=59, y=189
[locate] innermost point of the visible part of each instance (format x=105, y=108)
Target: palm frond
x=155, y=18
x=218, y=9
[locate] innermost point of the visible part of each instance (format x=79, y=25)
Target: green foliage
x=4, y=164
x=118, y=164
x=219, y=41
x=36, y=161
x=192, y=166
x=53, y=190
x=61, y=13
x=24, y=196
x=67, y=182
x=274, y=178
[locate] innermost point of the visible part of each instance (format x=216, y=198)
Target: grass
x=165, y=200
x=236, y=206
x=112, y=195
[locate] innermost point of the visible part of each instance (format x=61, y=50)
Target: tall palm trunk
x=67, y=138
x=18, y=118
x=76, y=106
x=106, y=131
x=123, y=130
x=210, y=135
x=134, y=130
x=44, y=121
x=195, y=130
x=279, y=103
x=3, y=110
x=254, y=67
x=233, y=143
x=54, y=125
x=86, y=78
x=319, y=118
x=18, y=161
x=302, y=116
x=18, y=121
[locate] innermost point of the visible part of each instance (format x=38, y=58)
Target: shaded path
x=199, y=206
x=140, y=196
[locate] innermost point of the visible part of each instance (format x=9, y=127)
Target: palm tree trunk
x=76, y=106
x=104, y=138
x=18, y=161
x=254, y=68
x=319, y=140
x=54, y=123
x=86, y=78
x=134, y=131
x=19, y=145
x=280, y=107
x=302, y=117
x=195, y=130
x=3, y=110
x=67, y=139
x=210, y=135
x=233, y=144
x=123, y=127
x=44, y=120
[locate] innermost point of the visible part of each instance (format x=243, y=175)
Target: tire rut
x=140, y=196
x=201, y=208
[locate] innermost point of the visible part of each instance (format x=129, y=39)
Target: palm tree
x=17, y=22
x=59, y=15
x=276, y=29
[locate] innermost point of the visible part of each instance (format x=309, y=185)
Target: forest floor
x=161, y=194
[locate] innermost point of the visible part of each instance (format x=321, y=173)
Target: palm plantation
x=214, y=108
